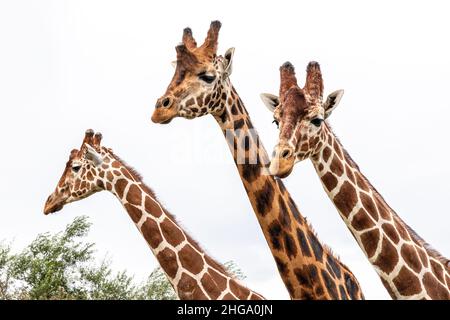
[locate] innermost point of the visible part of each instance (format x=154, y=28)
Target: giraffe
x=408, y=267
x=201, y=86
x=193, y=274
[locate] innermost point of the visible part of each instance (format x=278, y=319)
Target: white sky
x=66, y=66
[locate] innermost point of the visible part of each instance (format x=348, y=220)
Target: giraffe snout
x=165, y=110
x=52, y=204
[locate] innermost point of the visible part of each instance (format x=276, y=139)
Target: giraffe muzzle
x=282, y=162
x=52, y=205
x=165, y=110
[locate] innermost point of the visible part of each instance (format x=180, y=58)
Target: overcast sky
x=66, y=66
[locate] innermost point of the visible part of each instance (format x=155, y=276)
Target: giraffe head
x=197, y=86
x=300, y=115
x=80, y=178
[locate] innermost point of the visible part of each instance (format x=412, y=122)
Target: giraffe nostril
x=286, y=153
x=166, y=102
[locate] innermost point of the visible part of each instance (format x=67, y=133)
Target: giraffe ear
x=271, y=101
x=332, y=102
x=228, y=61
x=93, y=155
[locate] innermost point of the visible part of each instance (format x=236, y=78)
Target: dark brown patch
x=437, y=270
x=110, y=176
x=264, y=198
x=190, y=102
x=289, y=244
x=116, y=164
x=246, y=143
x=388, y=257
x=249, y=171
x=423, y=257
x=238, y=124
x=336, y=166
x=303, y=243
x=326, y=153
x=151, y=207
x=435, y=290
x=407, y=283
x=330, y=285
x=382, y=209
x=210, y=286
x=346, y=199
x=411, y=258
x=108, y=186
x=284, y=217
x=133, y=212
x=134, y=195
x=190, y=259
x=274, y=234
x=316, y=246
x=390, y=231
x=329, y=180
x=342, y=292
x=350, y=174
x=334, y=265
x=219, y=279
x=337, y=149
x=302, y=276
x=282, y=266
x=188, y=288
x=126, y=173
x=89, y=176
x=168, y=261
x=239, y=291
x=100, y=184
x=362, y=221
x=401, y=229
x=320, y=167
x=352, y=287
x=120, y=186
x=171, y=232
x=234, y=110
x=295, y=211
x=361, y=182
x=369, y=241
x=151, y=233
x=369, y=205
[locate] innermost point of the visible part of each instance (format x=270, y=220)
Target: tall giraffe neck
x=406, y=264
x=192, y=273
x=309, y=269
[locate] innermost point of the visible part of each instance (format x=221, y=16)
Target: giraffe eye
x=206, y=77
x=276, y=122
x=76, y=168
x=317, y=121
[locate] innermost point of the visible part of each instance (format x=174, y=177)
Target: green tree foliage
x=63, y=266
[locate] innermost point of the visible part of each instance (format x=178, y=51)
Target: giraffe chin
x=163, y=116
x=280, y=170
x=284, y=174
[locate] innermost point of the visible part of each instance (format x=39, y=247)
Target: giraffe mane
x=428, y=247
x=138, y=178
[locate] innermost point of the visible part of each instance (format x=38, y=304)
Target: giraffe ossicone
x=201, y=86
x=192, y=273
x=408, y=267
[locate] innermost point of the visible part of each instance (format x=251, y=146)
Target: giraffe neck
x=192, y=273
x=309, y=269
x=407, y=266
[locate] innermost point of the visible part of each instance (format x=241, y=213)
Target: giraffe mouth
x=52, y=206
